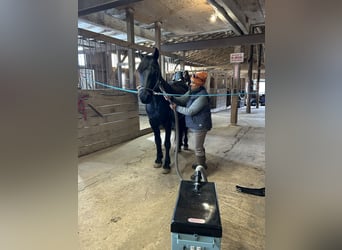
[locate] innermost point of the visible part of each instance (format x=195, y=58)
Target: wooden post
x=250, y=80
x=130, y=39
x=234, y=90
x=228, y=89
x=182, y=63
x=119, y=68
x=258, y=78
x=157, y=39
x=234, y=97
x=108, y=64
x=214, y=77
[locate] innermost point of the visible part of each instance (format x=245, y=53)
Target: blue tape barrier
x=157, y=93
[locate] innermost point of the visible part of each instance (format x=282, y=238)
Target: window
x=81, y=60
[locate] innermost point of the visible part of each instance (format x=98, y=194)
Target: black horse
x=157, y=108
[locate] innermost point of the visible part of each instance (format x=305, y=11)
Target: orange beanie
x=199, y=78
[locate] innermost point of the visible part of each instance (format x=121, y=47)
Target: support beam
x=258, y=77
x=236, y=13
x=108, y=63
x=158, y=34
x=97, y=36
x=117, y=25
x=182, y=63
x=119, y=67
x=234, y=90
x=250, y=80
x=215, y=43
x=104, y=6
x=131, y=52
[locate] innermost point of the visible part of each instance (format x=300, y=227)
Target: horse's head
x=149, y=74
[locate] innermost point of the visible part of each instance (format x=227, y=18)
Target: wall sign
x=236, y=57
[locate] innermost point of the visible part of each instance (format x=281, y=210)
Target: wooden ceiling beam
x=121, y=43
x=105, y=5
x=117, y=24
x=236, y=13
x=215, y=43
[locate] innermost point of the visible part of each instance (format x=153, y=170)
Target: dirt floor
x=125, y=203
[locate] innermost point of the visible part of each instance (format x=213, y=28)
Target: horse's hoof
x=179, y=150
x=166, y=170
x=157, y=165
x=186, y=147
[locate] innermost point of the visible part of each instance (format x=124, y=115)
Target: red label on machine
x=196, y=220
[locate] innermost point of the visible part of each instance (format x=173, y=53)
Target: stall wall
x=105, y=118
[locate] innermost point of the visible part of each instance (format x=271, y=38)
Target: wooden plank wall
x=120, y=121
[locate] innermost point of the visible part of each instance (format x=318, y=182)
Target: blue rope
x=156, y=93
x=117, y=88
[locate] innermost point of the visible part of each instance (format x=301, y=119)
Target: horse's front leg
x=157, y=141
x=167, y=144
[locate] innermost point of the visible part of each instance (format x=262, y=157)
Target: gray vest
x=202, y=120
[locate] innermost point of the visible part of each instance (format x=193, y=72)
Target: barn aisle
x=124, y=203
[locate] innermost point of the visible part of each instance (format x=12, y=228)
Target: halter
x=157, y=85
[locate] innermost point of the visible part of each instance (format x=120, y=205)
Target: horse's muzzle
x=145, y=95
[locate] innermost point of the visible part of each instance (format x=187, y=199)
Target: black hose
x=177, y=143
x=176, y=134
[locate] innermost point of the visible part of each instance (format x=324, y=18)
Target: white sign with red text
x=236, y=57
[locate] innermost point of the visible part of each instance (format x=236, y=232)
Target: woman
x=195, y=105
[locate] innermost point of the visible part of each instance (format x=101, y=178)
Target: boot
x=201, y=160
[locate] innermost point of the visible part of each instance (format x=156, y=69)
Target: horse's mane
x=177, y=87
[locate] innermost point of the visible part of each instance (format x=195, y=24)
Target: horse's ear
x=156, y=53
x=140, y=55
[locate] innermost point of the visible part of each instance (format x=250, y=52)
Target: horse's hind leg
x=186, y=145
x=182, y=132
x=180, y=137
x=157, y=141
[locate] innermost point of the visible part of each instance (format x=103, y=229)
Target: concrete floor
x=124, y=203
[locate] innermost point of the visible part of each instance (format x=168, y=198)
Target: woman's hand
x=173, y=106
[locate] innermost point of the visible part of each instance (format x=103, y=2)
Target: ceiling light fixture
x=213, y=18
x=223, y=15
